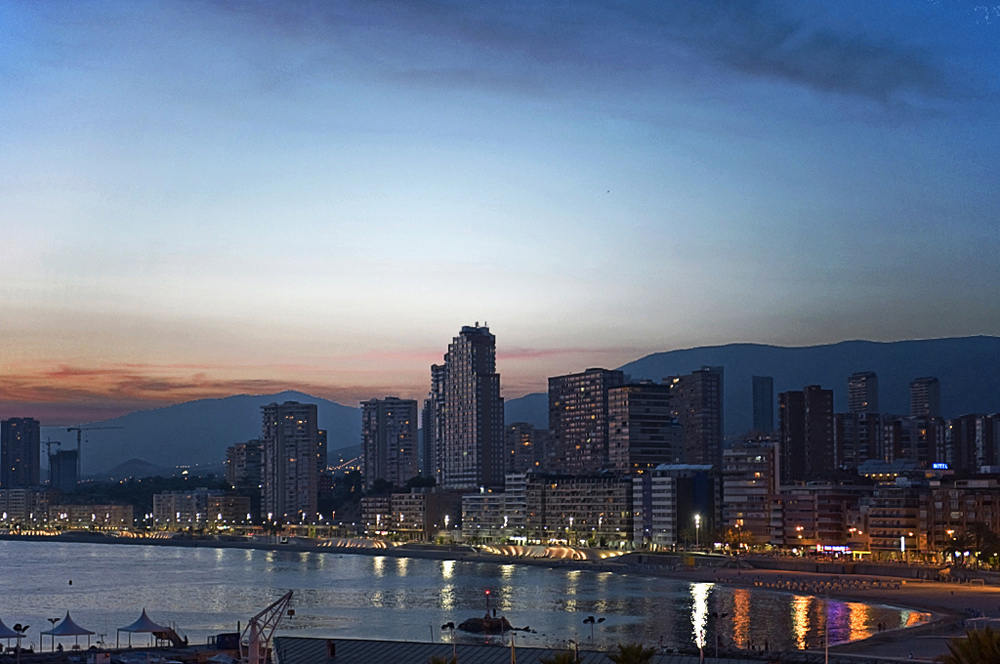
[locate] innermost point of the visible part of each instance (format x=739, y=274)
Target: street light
x=697, y=531
x=591, y=620
x=454, y=646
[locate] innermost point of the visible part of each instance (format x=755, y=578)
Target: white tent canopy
x=143, y=624
x=68, y=628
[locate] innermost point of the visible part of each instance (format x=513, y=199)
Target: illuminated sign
x=939, y=466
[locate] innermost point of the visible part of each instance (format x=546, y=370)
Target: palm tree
x=978, y=646
x=565, y=657
x=632, y=653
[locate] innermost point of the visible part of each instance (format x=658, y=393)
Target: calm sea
x=206, y=591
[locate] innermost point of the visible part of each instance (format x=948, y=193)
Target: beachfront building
x=749, y=483
x=592, y=510
x=177, y=510
x=675, y=504
x=290, y=482
x=243, y=465
x=820, y=516
x=23, y=508
x=389, y=440
x=419, y=515
x=91, y=517
x=470, y=423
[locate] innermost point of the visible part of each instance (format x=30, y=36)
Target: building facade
x=925, y=397
x=805, y=420
x=642, y=431
x=471, y=424
x=763, y=404
x=389, y=440
x=243, y=465
x=20, y=453
x=862, y=392
x=289, y=441
x=578, y=420
x=696, y=402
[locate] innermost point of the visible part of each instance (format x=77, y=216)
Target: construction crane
x=259, y=630
x=79, y=431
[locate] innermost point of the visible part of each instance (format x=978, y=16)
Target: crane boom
x=259, y=630
x=79, y=431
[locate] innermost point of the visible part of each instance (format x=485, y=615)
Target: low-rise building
x=87, y=517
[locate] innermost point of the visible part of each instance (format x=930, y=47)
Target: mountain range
x=968, y=368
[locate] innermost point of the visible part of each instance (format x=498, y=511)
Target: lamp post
x=697, y=531
x=450, y=626
x=591, y=620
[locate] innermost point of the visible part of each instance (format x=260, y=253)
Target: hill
x=968, y=368
x=198, y=432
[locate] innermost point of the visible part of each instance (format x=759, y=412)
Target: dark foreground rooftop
x=299, y=650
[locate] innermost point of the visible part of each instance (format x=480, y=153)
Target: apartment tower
x=20, y=453
x=578, y=420
x=471, y=424
x=389, y=440
x=290, y=439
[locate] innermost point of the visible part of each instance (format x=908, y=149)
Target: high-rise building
x=642, y=431
x=696, y=402
x=321, y=451
x=763, y=404
x=243, y=465
x=389, y=440
x=862, y=392
x=857, y=437
x=749, y=482
x=432, y=422
x=524, y=447
x=925, y=397
x=920, y=439
x=578, y=420
x=805, y=420
x=20, y=453
x=471, y=424
x=289, y=436
x=972, y=441
x=63, y=467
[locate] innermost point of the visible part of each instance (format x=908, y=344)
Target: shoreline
x=948, y=604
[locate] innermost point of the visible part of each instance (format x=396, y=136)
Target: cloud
x=533, y=49
x=71, y=393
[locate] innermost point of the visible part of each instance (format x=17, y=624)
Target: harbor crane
x=259, y=630
x=79, y=431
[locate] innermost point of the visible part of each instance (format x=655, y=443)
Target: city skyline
x=205, y=199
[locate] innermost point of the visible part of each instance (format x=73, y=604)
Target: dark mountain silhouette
x=197, y=432
x=968, y=368
x=531, y=408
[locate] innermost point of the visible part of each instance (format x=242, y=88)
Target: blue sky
x=202, y=198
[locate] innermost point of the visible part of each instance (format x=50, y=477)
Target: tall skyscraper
x=578, y=420
x=290, y=438
x=925, y=397
x=321, y=451
x=63, y=465
x=471, y=424
x=642, y=431
x=806, y=422
x=696, y=402
x=524, y=447
x=432, y=422
x=763, y=404
x=862, y=392
x=20, y=453
x=389, y=440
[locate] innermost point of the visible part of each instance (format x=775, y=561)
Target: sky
x=206, y=198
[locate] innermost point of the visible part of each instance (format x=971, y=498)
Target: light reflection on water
x=206, y=591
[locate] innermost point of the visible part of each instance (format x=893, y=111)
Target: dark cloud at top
x=444, y=42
